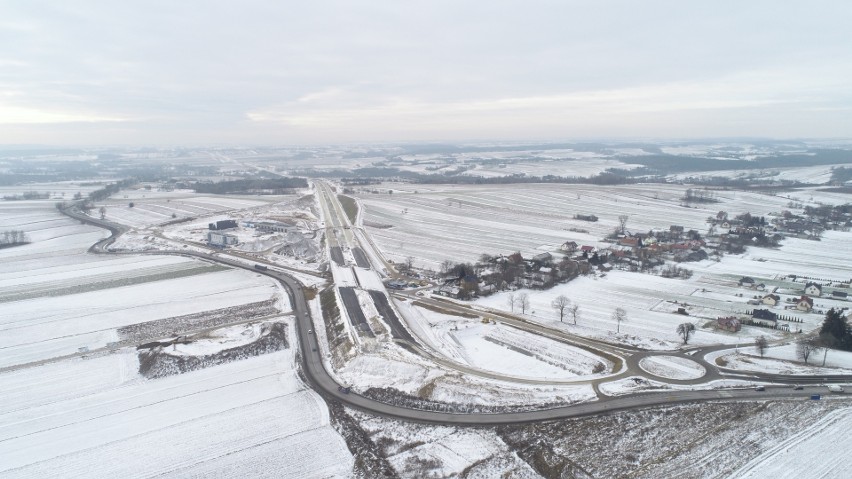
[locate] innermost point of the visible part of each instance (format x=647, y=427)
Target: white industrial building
x=216, y=238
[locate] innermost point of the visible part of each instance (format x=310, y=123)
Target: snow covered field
x=153, y=207
x=94, y=415
x=784, y=360
x=499, y=348
x=672, y=367
x=461, y=222
x=97, y=417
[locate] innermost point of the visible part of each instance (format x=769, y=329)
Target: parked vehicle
x=797, y=387
x=759, y=388
x=815, y=397
x=344, y=389
x=835, y=388
x=261, y=267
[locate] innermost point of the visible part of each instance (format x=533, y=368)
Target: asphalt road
x=384, y=308
x=353, y=307
x=360, y=258
x=319, y=378
x=337, y=255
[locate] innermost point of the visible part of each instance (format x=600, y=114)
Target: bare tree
x=409, y=263
x=806, y=347
x=618, y=316
x=102, y=211
x=446, y=267
x=524, y=302
x=560, y=304
x=761, y=344
x=511, y=300
x=574, y=310
x=622, y=222
x=685, y=330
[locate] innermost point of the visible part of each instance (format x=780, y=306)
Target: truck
x=835, y=388
x=261, y=267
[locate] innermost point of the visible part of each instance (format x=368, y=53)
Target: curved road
x=324, y=384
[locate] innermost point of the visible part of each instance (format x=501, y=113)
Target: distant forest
x=653, y=168
x=271, y=186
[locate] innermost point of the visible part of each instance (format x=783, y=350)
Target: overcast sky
x=275, y=72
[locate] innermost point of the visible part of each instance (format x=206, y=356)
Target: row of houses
x=804, y=303
x=811, y=289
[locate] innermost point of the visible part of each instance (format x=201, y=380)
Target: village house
x=771, y=299
x=587, y=249
x=542, y=258
x=764, y=316
x=729, y=323
x=805, y=304
x=813, y=289
x=569, y=246
x=746, y=281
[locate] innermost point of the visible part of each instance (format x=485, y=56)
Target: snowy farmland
x=71, y=407
x=154, y=208
x=460, y=223
x=251, y=417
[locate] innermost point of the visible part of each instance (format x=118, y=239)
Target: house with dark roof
x=542, y=257
x=839, y=294
x=765, y=316
x=729, y=323
x=746, y=281
x=771, y=299
x=805, y=304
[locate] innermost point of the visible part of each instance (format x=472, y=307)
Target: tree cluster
x=110, y=189
x=269, y=186
x=13, y=238
x=672, y=271
x=835, y=332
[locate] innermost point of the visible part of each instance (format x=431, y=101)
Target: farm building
x=839, y=294
x=746, y=281
x=222, y=225
x=272, y=227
